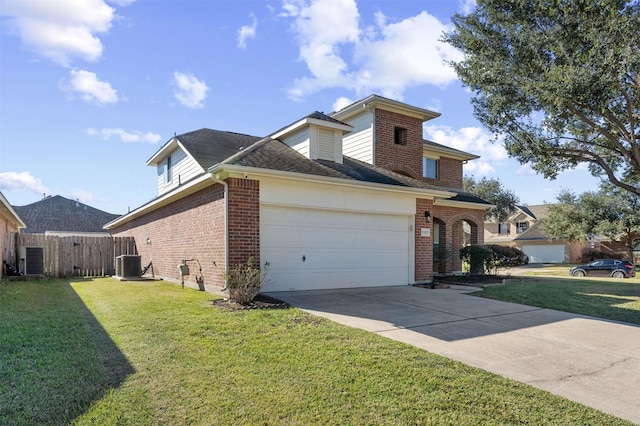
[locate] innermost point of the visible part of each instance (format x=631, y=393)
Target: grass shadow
x=56, y=360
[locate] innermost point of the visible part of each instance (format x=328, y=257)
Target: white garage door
x=319, y=249
x=544, y=253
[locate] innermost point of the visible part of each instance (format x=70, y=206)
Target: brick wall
x=450, y=173
x=189, y=228
x=452, y=236
x=423, y=245
x=244, y=223
x=406, y=159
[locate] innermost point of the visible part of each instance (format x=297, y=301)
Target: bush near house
x=244, y=281
x=491, y=257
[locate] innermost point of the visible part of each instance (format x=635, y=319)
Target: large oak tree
x=610, y=212
x=491, y=190
x=559, y=79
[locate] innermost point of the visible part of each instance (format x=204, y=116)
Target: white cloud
x=82, y=195
x=62, y=29
x=474, y=140
x=341, y=102
x=526, y=170
x=467, y=6
x=21, y=181
x=126, y=137
x=191, y=91
x=388, y=57
x=321, y=28
x=246, y=32
x=90, y=88
x=404, y=54
x=122, y=2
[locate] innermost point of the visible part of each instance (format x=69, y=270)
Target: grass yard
x=105, y=352
x=609, y=298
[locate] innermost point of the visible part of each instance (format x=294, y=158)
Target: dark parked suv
x=605, y=268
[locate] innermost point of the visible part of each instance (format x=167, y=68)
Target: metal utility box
x=184, y=269
x=128, y=266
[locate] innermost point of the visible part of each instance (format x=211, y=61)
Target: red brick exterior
x=194, y=228
x=244, y=222
x=423, y=245
x=450, y=173
x=189, y=228
x=406, y=159
x=452, y=232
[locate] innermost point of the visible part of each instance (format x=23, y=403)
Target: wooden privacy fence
x=71, y=256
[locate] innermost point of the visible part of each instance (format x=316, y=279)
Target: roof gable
x=61, y=214
x=206, y=146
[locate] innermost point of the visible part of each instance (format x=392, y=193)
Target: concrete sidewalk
x=587, y=360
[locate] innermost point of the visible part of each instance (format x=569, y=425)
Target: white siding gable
x=183, y=168
x=298, y=141
x=359, y=143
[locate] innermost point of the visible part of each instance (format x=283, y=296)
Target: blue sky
x=90, y=89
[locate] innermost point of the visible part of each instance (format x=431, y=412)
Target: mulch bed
x=470, y=280
x=261, y=301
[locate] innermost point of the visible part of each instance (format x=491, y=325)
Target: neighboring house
x=63, y=237
x=59, y=215
x=524, y=229
x=10, y=225
x=356, y=198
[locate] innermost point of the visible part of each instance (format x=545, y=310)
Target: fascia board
x=449, y=153
x=162, y=152
x=12, y=215
x=465, y=204
x=309, y=121
x=181, y=191
x=374, y=101
x=228, y=170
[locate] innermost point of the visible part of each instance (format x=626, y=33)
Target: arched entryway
x=449, y=236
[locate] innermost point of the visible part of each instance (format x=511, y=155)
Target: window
x=503, y=228
x=168, y=171
x=522, y=226
x=400, y=136
x=430, y=168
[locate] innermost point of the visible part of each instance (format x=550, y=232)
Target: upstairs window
x=503, y=228
x=522, y=226
x=168, y=170
x=400, y=136
x=430, y=168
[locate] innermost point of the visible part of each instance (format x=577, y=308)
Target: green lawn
x=609, y=298
x=104, y=352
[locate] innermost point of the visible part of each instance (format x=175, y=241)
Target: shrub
x=244, y=281
x=476, y=256
x=491, y=257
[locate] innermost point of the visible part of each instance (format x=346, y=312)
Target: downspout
x=226, y=225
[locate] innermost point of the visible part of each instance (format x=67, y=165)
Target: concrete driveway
x=587, y=360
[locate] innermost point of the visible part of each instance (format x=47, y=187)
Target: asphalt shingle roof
x=272, y=154
x=61, y=214
x=210, y=147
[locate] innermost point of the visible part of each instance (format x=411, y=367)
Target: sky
x=90, y=90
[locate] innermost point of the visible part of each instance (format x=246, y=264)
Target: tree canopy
x=491, y=190
x=559, y=79
x=611, y=212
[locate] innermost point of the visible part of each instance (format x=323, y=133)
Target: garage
x=544, y=253
x=320, y=248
